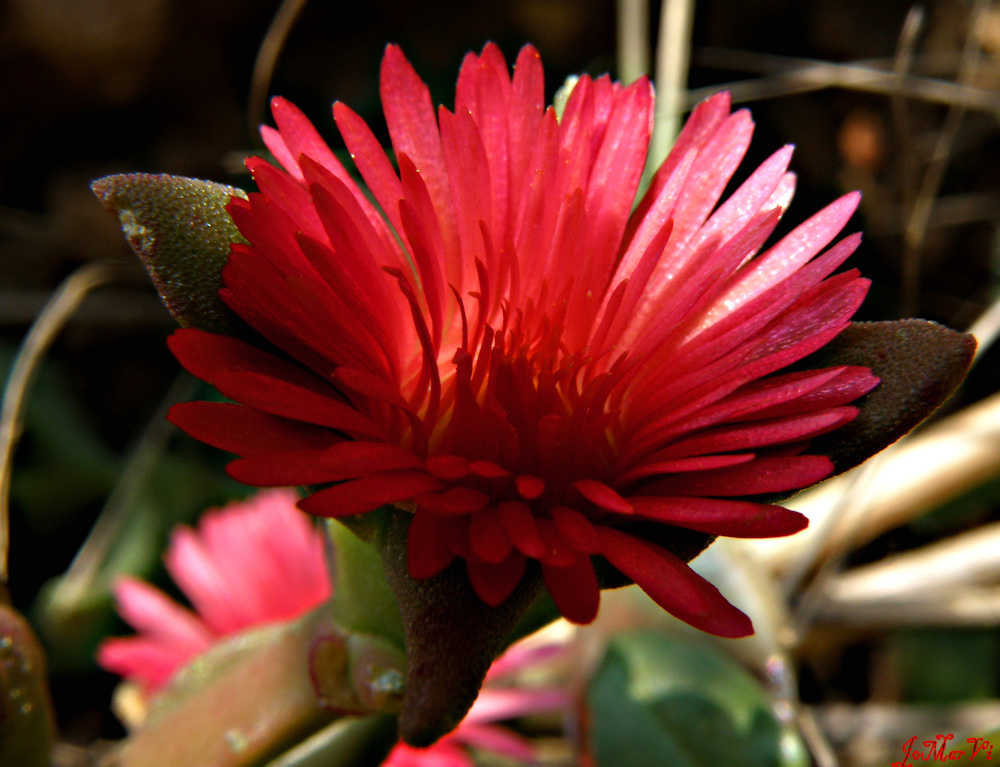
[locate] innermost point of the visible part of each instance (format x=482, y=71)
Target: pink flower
x=248, y=564
x=480, y=729
x=501, y=346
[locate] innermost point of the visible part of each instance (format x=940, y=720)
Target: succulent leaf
x=181, y=232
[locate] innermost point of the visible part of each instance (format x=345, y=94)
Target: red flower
x=502, y=346
x=248, y=564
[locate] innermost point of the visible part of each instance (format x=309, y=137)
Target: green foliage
x=946, y=665
x=659, y=700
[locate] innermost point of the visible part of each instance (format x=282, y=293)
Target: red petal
x=680, y=465
x=576, y=529
x=448, y=467
x=760, y=433
x=346, y=460
x=673, y=585
x=454, y=500
x=302, y=138
x=846, y=387
x=487, y=538
x=494, y=583
x=519, y=523
x=245, y=431
x=737, y=519
x=370, y=160
x=426, y=551
x=205, y=355
x=558, y=552
x=762, y=475
x=601, y=495
x=262, y=381
x=281, y=398
x=528, y=487
x=359, y=496
x=414, y=131
x=488, y=470
x=574, y=589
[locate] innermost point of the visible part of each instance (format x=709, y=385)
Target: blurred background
x=899, y=101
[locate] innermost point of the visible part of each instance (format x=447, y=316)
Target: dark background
x=91, y=87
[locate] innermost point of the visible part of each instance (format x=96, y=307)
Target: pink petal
x=496, y=740
x=149, y=662
x=149, y=611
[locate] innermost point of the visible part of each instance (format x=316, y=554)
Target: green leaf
x=180, y=229
x=946, y=665
x=659, y=700
x=247, y=700
x=348, y=742
x=362, y=600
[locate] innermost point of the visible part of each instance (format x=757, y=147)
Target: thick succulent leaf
x=659, y=700
x=362, y=601
x=27, y=724
x=181, y=231
x=251, y=698
x=452, y=637
x=920, y=363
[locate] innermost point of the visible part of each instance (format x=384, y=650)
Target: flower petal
x=673, y=585
x=315, y=466
x=738, y=519
x=574, y=589
x=359, y=496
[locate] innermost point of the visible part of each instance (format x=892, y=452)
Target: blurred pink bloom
x=250, y=563
x=260, y=561
x=480, y=728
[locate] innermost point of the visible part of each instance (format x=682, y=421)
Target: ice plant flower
x=246, y=565
x=499, y=700
x=503, y=348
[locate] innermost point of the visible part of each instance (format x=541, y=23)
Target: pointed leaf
x=181, y=231
x=920, y=363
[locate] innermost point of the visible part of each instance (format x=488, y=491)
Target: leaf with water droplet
x=180, y=229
